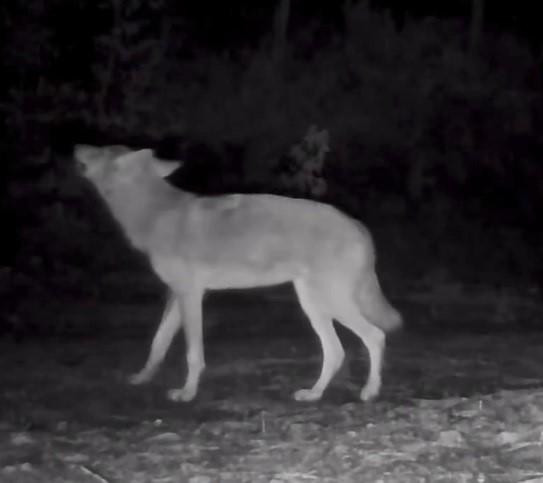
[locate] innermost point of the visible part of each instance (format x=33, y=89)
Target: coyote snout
x=196, y=244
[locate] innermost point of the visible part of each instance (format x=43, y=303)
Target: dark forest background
x=428, y=114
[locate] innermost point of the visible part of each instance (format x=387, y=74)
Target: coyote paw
x=369, y=392
x=184, y=394
x=140, y=378
x=307, y=395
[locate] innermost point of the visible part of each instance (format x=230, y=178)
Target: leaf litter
x=461, y=408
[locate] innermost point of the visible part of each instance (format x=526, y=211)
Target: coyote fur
x=197, y=243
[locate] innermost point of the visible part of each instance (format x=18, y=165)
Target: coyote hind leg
x=347, y=312
x=322, y=323
x=169, y=325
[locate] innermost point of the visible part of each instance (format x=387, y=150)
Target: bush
x=414, y=124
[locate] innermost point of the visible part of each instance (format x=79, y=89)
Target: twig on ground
x=93, y=474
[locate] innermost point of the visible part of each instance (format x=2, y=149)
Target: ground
x=456, y=406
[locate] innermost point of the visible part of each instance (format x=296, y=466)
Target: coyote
x=197, y=243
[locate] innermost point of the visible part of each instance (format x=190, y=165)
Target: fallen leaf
x=450, y=439
x=166, y=437
x=507, y=437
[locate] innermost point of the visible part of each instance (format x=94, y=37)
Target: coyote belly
x=196, y=244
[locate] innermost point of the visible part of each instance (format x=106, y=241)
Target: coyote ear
x=134, y=157
x=165, y=168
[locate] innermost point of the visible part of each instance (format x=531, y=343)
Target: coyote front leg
x=192, y=305
x=169, y=325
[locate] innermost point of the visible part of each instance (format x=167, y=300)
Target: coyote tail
x=375, y=306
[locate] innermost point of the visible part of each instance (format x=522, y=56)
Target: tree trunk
x=280, y=26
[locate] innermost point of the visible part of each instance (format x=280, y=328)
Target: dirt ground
x=456, y=406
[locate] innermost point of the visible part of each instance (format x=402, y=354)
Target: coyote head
x=131, y=184
x=109, y=168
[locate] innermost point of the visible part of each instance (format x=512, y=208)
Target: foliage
x=414, y=125
x=411, y=100
x=302, y=171
x=129, y=66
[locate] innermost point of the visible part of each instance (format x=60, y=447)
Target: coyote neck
x=137, y=207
